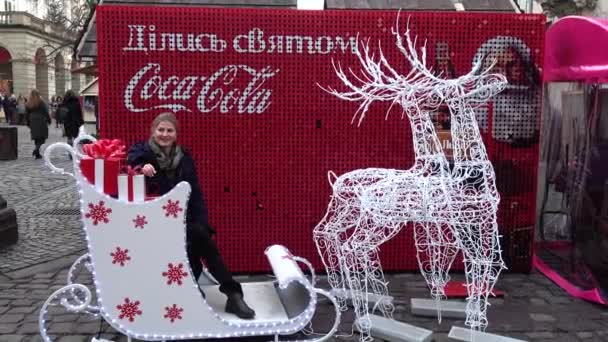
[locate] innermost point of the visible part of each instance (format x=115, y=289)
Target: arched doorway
x=42, y=73
x=75, y=77
x=6, y=72
x=59, y=75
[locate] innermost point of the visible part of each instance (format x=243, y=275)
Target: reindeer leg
x=379, y=285
x=436, y=249
x=483, y=264
x=355, y=271
x=326, y=237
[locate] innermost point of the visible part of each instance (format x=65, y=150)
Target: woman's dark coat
x=141, y=154
x=38, y=120
x=73, y=119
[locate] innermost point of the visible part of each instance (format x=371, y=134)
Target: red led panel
x=244, y=84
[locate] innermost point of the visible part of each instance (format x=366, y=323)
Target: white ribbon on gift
x=138, y=188
x=99, y=174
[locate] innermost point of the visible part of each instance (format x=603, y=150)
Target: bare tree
x=555, y=9
x=70, y=16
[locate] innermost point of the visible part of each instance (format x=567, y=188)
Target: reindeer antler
x=378, y=81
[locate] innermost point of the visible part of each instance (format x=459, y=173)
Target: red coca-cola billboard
x=246, y=85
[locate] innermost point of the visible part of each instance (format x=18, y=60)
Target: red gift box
x=110, y=156
x=131, y=185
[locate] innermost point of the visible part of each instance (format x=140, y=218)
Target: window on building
x=34, y=9
x=9, y=5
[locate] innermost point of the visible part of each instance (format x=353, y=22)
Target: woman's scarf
x=167, y=163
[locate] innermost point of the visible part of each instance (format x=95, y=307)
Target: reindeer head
x=420, y=89
x=477, y=87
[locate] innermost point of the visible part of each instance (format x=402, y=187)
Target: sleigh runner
x=144, y=284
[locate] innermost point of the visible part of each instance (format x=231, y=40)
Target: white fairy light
x=451, y=210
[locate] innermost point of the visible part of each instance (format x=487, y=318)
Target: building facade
x=34, y=53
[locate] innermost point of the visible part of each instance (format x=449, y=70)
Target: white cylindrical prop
x=283, y=266
x=138, y=188
x=123, y=188
x=99, y=174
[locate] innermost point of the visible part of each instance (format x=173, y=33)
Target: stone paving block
x=75, y=338
x=11, y=318
x=14, y=338
x=4, y=309
x=22, y=310
x=42, y=281
x=541, y=317
x=560, y=300
x=584, y=335
x=28, y=328
x=36, y=286
x=64, y=318
x=46, y=275
x=87, y=328
x=7, y=329
x=33, y=317
x=22, y=302
x=578, y=323
x=38, y=338
x=64, y=328
x=540, y=334
x=13, y=294
x=6, y=285
x=537, y=301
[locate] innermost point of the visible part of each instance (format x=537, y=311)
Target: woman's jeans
x=201, y=245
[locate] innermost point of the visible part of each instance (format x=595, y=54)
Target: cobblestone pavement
x=533, y=309
x=36, y=195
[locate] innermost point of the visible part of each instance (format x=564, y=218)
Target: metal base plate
x=465, y=334
x=391, y=330
x=428, y=308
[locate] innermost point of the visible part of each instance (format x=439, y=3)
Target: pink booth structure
x=572, y=234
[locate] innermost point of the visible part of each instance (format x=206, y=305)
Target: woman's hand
x=148, y=170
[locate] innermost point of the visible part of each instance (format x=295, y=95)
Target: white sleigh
x=143, y=282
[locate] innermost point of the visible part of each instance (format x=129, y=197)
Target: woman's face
x=165, y=134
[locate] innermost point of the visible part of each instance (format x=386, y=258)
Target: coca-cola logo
x=149, y=90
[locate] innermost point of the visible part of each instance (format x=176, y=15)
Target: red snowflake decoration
x=173, y=312
x=120, y=256
x=129, y=309
x=172, y=208
x=140, y=221
x=98, y=213
x=175, y=274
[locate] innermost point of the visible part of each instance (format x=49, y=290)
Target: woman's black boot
x=236, y=305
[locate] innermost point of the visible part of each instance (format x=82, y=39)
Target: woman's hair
x=70, y=94
x=34, y=99
x=169, y=117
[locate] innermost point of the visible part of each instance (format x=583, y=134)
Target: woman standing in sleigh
x=165, y=164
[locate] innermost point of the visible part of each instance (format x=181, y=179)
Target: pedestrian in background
x=21, y=111
x=38, y=119
x=59, y=114
x=11, y=107
x=72, y=115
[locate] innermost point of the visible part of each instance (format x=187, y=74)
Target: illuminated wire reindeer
x=450, y=210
